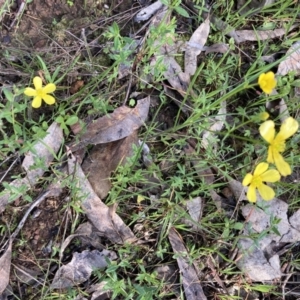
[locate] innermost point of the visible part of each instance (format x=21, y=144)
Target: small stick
x=20, y=10
x=38, y=201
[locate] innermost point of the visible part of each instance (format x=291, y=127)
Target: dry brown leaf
x=43, y=150
x=218, y=48
x=238, y=190
x=80, y=268
x=292, y=61
x=109, y=224
x=169, y=274
x=261, y=35
x=76, y=86
x=115, y=126
x=99, y=293
x=195, y=208
x=208, y=138
x=5, y=267
x=178, y=79
x=86, y=233
x=255, y=259
x=147, y=12
x=195, y=46
x=190, y=280
x=107, y=157
x=258, y=259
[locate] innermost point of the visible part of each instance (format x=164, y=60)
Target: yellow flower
x=277, y=142
x=263, y=116
x=267, y=82
x=256, y=181
x=40, y=93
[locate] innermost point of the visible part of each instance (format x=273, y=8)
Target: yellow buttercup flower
x=263, y=116
x=267, y=82
x=256, y=181
x=40, y=93
x=277, y=142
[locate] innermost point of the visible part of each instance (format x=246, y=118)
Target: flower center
x=257, y=181
x=40, y=92
x=264, y=83
x=278, y=145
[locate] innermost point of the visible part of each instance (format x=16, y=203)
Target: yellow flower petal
x=287, y=129
x=247, y=180
x=267, y=82
x=37, y=82
x=266, y=192
x=49, y=88
x=263, y=116
x=282, y=166
x=270, y=158
x=49, y=99
x=251, y=194
x=270, y=176
x=260, y=168
x=267, y=131
x=30, y=92
x=37, y=102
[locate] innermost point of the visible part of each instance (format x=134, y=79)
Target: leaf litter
x=45, y=150
x=113, y=136
x=80, y=268
x=104, y=218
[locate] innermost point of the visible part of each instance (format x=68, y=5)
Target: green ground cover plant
x=75, y=83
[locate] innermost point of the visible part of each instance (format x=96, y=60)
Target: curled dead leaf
x=80, y=268
x=43, y=150
x=190, y=279
x=115, y=126
x=108, y=223
x=5, y=263
x=195, y=46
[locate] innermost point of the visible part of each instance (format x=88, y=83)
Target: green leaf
x=296, y=83
x=44, y=67
x=60, y=119
x=131, y=102
x=55, y=74
x=8, y=94
x=182, y=11
x=72, y=120
x=263, y=288
x=238, y=226
x=165, y=2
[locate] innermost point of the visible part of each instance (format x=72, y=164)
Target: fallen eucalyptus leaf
x=190, y=280
x=218, y=48
x=115, y=126
x=178, y=79
x=291, y=62
x=261, y=35
x=86, y=233
x=218, y=121
x=42, y=151
x=101, y=216
x=5, y=263
x=80, y=268
x=99, y=293
x=194, y=47
x=147, y=12
x=107, y=157
x=195, y=208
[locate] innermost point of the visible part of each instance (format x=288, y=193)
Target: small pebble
x=6, y=39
